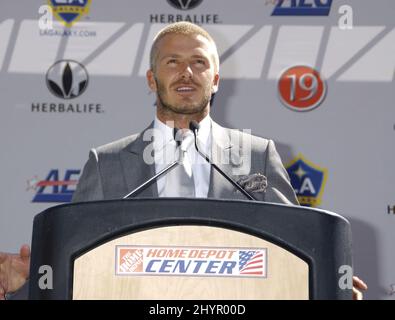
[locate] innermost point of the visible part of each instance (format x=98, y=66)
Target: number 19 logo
x=301, y=88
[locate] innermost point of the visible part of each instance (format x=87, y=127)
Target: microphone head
x=187, y=139
x=177, y=135
x=175, y=131
x=183, y=137
x=194, y=126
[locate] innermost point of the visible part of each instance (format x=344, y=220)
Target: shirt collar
x=163, y=134
x=204, y=132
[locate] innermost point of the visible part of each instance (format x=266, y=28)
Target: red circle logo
x=301, y=88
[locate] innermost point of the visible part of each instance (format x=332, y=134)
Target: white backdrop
x=345, y=145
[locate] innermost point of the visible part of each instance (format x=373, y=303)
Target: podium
x=178, y=248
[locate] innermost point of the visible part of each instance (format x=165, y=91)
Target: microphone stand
x=194, y=127
x=152, y=180
x=170, y=167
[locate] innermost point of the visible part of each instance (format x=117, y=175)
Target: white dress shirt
x=165, y=153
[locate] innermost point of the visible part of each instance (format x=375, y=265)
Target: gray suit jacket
x=115, y=169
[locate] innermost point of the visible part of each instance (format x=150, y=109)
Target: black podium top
x=62, y=233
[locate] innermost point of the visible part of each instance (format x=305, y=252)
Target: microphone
x=182, y=145
x=194, y=126
x=176, y=136
x=183, y=138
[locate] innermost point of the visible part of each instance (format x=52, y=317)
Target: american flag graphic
x=251, y=262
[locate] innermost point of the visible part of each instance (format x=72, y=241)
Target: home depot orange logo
x=130, y=260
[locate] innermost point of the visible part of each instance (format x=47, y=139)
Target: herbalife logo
x=67, y=79
x=184, y=4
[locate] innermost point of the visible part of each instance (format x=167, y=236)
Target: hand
x=14, y=270
x=358, y=284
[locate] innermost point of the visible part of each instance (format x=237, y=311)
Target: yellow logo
x=308, y=180
x=69, y=12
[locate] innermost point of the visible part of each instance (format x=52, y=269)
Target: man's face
x=184, y=77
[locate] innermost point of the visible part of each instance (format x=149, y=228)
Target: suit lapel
x=228, y=157
x=136, y=171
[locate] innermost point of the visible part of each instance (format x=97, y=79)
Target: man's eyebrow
x=200, y=56
x=170, y=55
x=175, y=55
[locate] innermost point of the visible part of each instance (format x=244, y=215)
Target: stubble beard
x=187, y=108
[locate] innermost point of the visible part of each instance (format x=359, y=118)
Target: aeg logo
x=302, y=8
x=58, y=189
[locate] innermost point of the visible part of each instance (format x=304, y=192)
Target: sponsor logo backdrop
x=323, y=92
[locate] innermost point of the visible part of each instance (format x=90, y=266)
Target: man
x=184, y=74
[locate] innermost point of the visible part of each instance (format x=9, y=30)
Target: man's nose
x=187, y=72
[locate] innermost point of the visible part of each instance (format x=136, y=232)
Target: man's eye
x=171, y=61
x=201, y=61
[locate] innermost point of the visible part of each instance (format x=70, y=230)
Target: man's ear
x=214, y=88
x=151, y=80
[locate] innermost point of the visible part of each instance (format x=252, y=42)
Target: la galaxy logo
x=69, y=12
x=191, y=261
x=52, y=189
x=308, y=180
x=302, y=8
